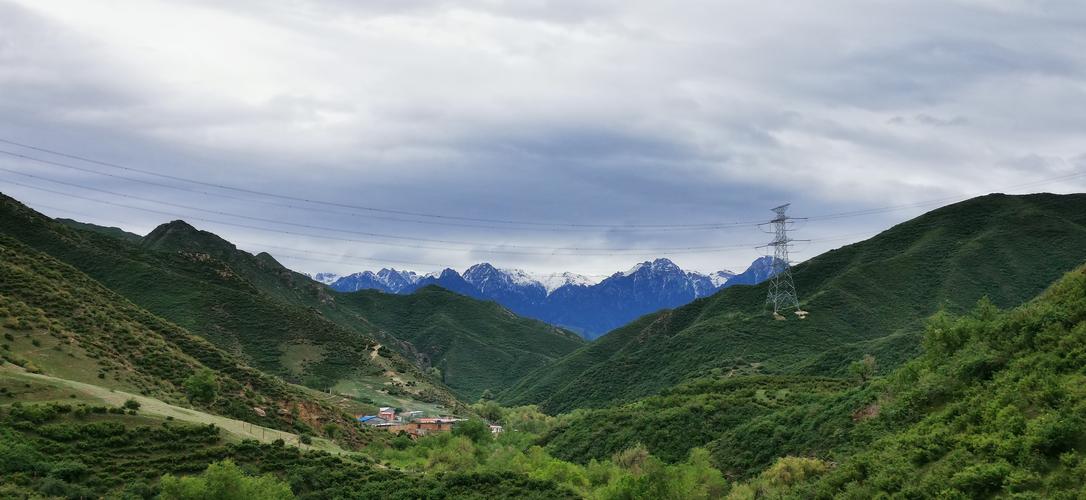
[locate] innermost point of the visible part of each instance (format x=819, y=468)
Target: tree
x=132, y=404
x=865, y=368
x=458, y=455
x=489, y=410
x=202, y=386
x=488, y=395
x=224, y=481
x=475, y=430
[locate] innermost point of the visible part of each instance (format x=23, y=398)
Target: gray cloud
x=599, y=112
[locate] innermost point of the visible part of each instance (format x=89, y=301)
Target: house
x=388, y=413
x=372, y=420
x=496, y=429
x=426, y=425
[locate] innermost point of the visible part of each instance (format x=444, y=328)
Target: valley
x=508, y=250
x=710, y=399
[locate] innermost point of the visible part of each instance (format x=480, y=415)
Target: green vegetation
x=65, y=324
x=867, y=298
x=919, y=387
x=476, y=346
x=994, y=407
x=631, y=473
x=115, y=232
x=202, y=386
x=745, y=422
x=285, y=324
x=244, y=304
x=60, y=450
x=226, y=481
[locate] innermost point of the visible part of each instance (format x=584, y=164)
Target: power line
x=447, y=220
x=348, y=231
x=612, y=252
x=365, y=215
x=342, y=205
x=342, y=259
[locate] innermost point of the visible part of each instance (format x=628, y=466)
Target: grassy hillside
x=286, y=324
x=203, y=284
x=993, y=409
x=475, y=345
x=865, y=298
x=58, y=321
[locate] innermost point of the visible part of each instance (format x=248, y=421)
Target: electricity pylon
x=782, y=290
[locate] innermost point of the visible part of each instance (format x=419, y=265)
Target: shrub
x=475, y=429
x=224, y=480
x=202, y=386
x=132, y=404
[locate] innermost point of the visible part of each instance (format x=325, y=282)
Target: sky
x=544, y=135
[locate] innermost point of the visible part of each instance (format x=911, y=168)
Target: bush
x=202, y=386
x=224, y=480
x=475, y=429
x=132, y=404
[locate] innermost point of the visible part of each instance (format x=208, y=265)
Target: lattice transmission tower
x=782, y=290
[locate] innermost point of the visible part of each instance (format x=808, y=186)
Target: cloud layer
x=569, y=112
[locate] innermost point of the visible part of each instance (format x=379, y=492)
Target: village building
x=372, y=420
x=426, y=425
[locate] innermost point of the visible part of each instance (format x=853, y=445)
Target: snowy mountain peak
x=486, y=276
x=326, y=278
x=552, y=282
x=720, y=277
x=657, y=266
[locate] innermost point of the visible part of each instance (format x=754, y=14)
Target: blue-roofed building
x=372, y=420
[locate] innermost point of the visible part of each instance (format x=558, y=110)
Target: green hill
x=203, y=284
x=866, y=298
x=993, y=409
x=58, y=321
x=286, y=324
x=475, y=345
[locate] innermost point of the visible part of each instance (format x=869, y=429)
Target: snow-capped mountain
x=386, y=280
x=326, y=278
x=552, y=282
x=569, y=300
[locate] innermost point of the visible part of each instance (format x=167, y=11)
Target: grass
x=49, y=386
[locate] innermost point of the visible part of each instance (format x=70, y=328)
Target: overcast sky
x=552, y=112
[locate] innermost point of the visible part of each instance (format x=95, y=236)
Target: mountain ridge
x=567, y=300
